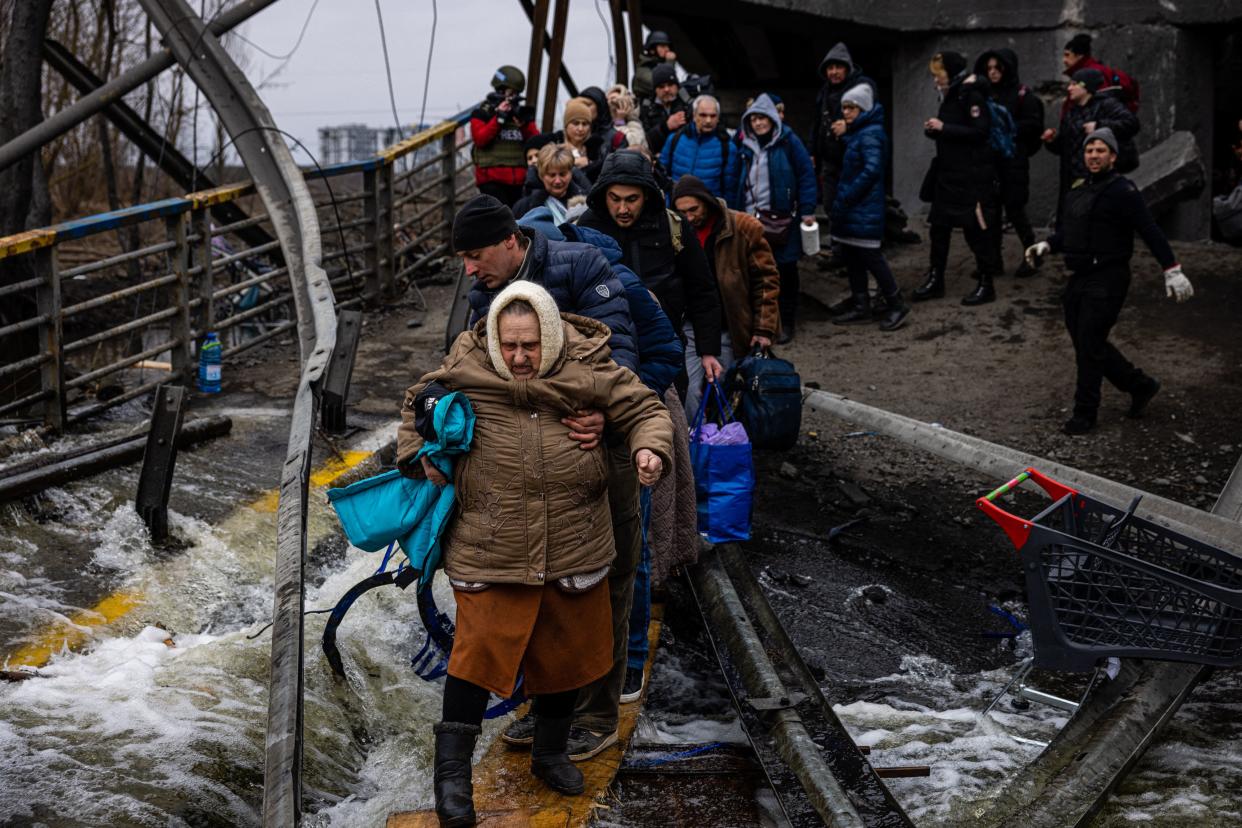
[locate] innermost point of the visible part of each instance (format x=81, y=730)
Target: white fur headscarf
x=551, y=334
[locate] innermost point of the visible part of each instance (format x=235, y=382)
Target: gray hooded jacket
x=756, y=189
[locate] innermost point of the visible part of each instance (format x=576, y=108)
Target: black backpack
x=767, y=396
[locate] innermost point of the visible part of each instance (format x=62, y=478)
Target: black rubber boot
x=895, y=312
x=453, y=787
x=932, y=287
x=787, y=332
x=1141, y=396
x=983, y=292
x=549, y=760
x=859, y=311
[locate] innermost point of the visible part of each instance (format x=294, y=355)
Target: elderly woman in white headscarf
x=531, y=541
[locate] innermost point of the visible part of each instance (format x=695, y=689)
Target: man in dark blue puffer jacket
x=700, y=148
x=496, y=251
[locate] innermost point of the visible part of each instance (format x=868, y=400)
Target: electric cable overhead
x=392, y=96
x=290, y=53
x=431, y=50
x=612, y=57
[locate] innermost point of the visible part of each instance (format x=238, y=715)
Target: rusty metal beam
x=538, y=41
x=560, y=20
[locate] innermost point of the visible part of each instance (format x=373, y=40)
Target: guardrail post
x=159, y=460
x=179, y=260
x=371, y=234
x=200, y=257
x=448, y=169
x=47, y=295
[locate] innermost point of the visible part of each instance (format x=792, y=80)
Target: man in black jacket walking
x=962, y=184
x=1095, y=231
x=661, y=247
x=1000, y=67
x=666, y=112
x=1090, y=110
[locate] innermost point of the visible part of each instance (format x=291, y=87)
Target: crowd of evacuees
x=624, y=262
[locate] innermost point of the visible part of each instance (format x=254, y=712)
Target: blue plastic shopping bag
x=724, y=476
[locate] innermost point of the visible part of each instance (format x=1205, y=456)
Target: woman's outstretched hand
x=649, y=467
x=433, y=474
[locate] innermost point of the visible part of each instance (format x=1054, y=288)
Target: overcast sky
x=336, y=76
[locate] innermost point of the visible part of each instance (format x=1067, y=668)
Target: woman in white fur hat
x=531, y=541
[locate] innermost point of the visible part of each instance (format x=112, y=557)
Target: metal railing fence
x=64, y=356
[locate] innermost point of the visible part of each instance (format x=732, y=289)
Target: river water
x=159, y=719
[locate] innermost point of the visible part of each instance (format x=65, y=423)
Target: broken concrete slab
x=1170, y=171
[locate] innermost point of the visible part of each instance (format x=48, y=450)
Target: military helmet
x=509, y=77
x=655, y=39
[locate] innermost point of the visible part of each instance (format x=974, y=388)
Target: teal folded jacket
x=376, y=511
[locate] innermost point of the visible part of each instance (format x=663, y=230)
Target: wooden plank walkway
x=507, y=796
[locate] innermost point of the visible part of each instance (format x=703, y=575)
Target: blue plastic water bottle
x=209, y=364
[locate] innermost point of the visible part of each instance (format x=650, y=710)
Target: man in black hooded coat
x=827, y=144
x=681, y=279
x=1000, y=67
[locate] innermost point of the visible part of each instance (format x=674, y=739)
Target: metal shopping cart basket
x=1103, y=582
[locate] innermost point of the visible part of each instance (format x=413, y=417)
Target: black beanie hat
x=1093, y=79
x=539, y=140
x=954, y=63
x=482, y=221
x=663, y=73
x=1079, y=44
x=690, y=185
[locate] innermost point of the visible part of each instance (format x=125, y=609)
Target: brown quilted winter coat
x=531, y=505
x=748, y=279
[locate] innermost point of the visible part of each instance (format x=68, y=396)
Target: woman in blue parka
x=771, y=175
x=858, y=211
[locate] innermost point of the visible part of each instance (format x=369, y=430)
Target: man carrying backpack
x=962, y=183
x=1000, y=67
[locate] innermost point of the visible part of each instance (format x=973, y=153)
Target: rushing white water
x=159, y=720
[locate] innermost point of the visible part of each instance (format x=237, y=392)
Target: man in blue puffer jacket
x=701, y=148
x=858, y=210
x=577, y=275
x=771, y=174
x=660, y=359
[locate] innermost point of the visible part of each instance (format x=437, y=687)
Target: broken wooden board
x=507, y=796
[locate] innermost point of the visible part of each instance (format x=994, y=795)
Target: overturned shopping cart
x=1105, y=583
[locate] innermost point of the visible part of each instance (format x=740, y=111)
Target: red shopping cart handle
x=1019, y=529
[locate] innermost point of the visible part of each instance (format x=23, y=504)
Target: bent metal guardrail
x=383, y=219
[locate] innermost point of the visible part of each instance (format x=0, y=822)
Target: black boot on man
x=1080, y=423
x=453, y=786
x=932, y=287
x=895, y=312
x=1141, y=396
x=549, y=757
x=859, y=311
x=983, y=292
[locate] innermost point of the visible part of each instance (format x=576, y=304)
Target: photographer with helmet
x=499, y=128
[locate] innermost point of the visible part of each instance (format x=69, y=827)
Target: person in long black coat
x=1000, y=67
x=962, y=184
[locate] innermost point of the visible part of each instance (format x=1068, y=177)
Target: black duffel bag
x=767, y=397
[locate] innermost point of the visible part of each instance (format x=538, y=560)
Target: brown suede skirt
x=561, y=640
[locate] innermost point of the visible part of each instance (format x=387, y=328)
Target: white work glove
x=1036, y=252
x=1176, y=285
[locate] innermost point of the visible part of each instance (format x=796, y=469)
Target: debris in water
x=18, y=675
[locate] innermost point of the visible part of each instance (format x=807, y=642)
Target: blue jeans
x=640, y=610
